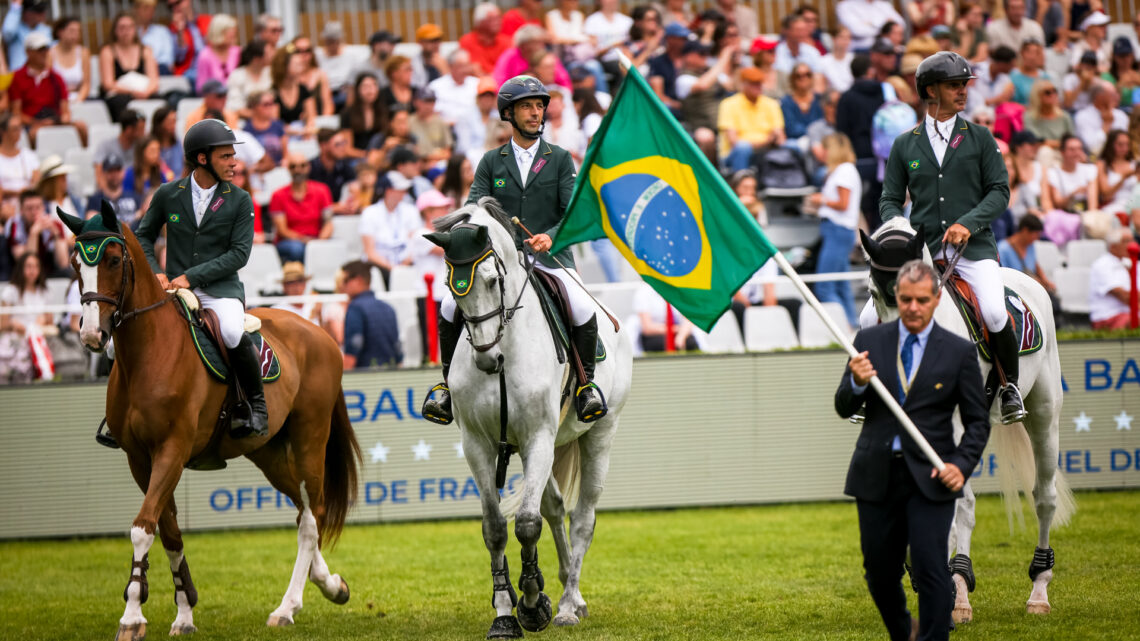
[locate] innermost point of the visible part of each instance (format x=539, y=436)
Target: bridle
x=504, y=313
x=117, y=317
x=901, y=236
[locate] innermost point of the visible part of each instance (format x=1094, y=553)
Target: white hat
x=1095, y=19
x=35, y=41
x=398, y=181
x=53, y=166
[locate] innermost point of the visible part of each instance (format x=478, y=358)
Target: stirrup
x=1016, y=413
x=104, y=438
x=596, y=414
x=433, y=410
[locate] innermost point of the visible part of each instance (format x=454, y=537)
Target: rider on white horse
x=532, y=180
x=959, y=186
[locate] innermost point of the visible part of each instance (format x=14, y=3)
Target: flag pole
x=841, y=338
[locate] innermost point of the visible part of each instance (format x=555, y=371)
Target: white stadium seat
x=331, y=121
x=347, y=228
x=405, y=278
x=1073, y=289
x=167, y=84
x=813, y=331
x=262, y=271
x=92, y=112
x=146, y=108
x=56, y=140
x=307, y=147
x=1048, y=256
x=377, y=280
x=271, y=181
x=724, y=337
x=1082, y=253
x=769, y=327
x=97, y=133
x=83, y=176
x=322, y=260
x=183, y=110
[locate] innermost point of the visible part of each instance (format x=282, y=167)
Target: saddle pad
x=1025, y=323
x=212, y=357
x=558, y=323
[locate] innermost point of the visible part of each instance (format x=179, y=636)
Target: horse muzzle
x=489, y=361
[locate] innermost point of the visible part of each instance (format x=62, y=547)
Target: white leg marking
x=320, y=575
x=133, y=615
x=306, y=549
x=184, y=622
x=1039, y=599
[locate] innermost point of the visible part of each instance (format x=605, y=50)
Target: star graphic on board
x=421, y=451
x=379, y=453
x=458, y=445
x=1083, y=422
x=1123, y=421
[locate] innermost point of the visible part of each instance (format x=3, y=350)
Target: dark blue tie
x=907, y=358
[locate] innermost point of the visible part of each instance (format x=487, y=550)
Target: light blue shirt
x=916, y=352
x=161, y=42
x=15, y=32
x=1008, y=257
x=808, y=55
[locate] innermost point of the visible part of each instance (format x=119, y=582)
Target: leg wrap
x=501, y=581
x=140, y=578
x=1042, y=560
x=962, y=566
x=530, y=571
x=183, y=583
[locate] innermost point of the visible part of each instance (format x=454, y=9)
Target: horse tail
x=342, y=458
x=567, y=473
x=1017, y=473
x=1066, y=503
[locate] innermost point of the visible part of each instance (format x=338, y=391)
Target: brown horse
x=163, y=409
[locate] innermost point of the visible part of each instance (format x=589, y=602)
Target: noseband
x=504, y=313
x=117, y=317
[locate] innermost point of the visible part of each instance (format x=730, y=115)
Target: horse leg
x=185, y=595
x=961, y=566
x=159, y=478
x=534, y=607
x=595, y=456
x=307, y=537
x=1045, y=445
x=554, y=511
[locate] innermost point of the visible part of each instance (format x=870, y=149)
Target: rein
x=946, y=273
x=117, y=317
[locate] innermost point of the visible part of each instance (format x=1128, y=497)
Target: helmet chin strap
x=209, y=166
x=523, y=132
x=937, y=109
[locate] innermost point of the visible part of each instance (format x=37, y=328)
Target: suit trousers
x=886, y=527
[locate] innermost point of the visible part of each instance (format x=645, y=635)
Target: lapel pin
x=938, y=386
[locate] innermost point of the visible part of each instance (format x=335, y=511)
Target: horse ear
x=441, y=238
x=914, y=246
x=870, y=245
x=110, y=218
x=74, y=223
x=481, y=236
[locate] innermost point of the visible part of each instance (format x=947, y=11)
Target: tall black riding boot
x=1006, y=347
x=588, y=399
x=438, y=409
x=251, y=417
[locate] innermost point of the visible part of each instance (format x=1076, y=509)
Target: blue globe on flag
x=654, y=222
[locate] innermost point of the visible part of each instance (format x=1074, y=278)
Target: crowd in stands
x=332, y=130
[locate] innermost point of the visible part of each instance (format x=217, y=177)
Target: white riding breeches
x=231, y=316
x=581, y=305
x=984, y=276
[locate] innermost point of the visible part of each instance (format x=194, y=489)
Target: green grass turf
x=769, y=572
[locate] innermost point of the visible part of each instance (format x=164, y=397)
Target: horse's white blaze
x=141, y=541
x=89, y=333
x=185, y=618
x=306, y=549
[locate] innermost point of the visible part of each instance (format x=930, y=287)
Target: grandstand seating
x=146, y=108
x=56, y=140
x=768, y=328
x=347, y=228
x=83, y=174
x=813, y=331
x=98, y=132
x=1082, y=253
x=322, y=259
x=1073, y=289
x=1048, y=257
x=261, y=274
x=91, y=112
x=724, y=337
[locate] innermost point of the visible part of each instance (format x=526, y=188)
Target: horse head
x=483, y=274
x=102, y=258
x=887, y=250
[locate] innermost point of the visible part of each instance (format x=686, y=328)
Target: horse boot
x=438, y=410
x=1006, y=347
x=252, y=416
x=588, y=399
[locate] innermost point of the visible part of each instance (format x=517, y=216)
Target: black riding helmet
x=515, y=90
x=204, y=136
x=941, y=67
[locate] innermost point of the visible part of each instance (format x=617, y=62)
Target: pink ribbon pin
x=957, y=141
x=538, y=165
x=217, y=204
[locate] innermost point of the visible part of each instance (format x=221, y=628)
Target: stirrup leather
x=434, y=410
x=579, y=399
x=1016, y=414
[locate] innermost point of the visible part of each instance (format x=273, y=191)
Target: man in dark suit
x=959, y=186
x=209, y=234
x=901, y=498
x=533, y=180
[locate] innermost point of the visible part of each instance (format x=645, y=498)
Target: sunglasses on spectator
x=1048, y=92
x=300, y=50
x=298, y=165
x=801, y=75
x=266, y=103
x=985, y=122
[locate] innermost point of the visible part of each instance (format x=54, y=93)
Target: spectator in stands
x=70, y=59
x=429, y=64
x=22, y=19
x=313, y=77
x=295, y=282
x=744, y=17
x=214, y=101
x=836, y=65
x=1123, y=72
x=455, y=91
x=797, y=47
x=1079, y=83
x=1116, y=173
x=1094, y=28
x=222, y=54
x=269, y=29
x=371, y=330
x=241, y=181
x=38, y=95
x=361, y=192
x=1045, y=118
x=382, y=44
x=884, y=59
x=485, y=42
x=27, y=289
x=857, y=106
x=127, y=204
x=801, y=106
x=264, y=125
x=969, y=33
x=187, y=28
x=1026, y=177
x=251, y=75
x=645, y=36
x=52, y=186
x=148, y=171
x=1014, y=28
x=1072, y=184
x=609, y=28
x=337, y=62
x=838, y=204
x=566, y=25
x=127, y=69
x=561, y=130
x=19, y=167
x=296, y=106
x=817, y=131
x=155, y=35
x=744, y=185
x=529, y=41
x=400, y=90
x=427, y=257
x=1019, y=252
x=132, y=128
x=700, y=88
x=301, y=211
x=993, y=79
x=763, y=52
x=663, y=68
x=431, y=133
x=1101, y=116
x=407, y=162
x=865, y=19
x=383, y=145
x=1109, y=286
x=472, y=128
x=1030, y=70
x=386, y=226
x=748, y=122
x=458, y=178
x=924, y=15
x=331, y=166
x=652, y=311
x=527, y=12
x=37, y=231
x=366, y=116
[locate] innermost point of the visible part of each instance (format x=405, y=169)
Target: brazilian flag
x=646, y=186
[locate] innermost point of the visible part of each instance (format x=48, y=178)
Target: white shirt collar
x=944, y=127
x=519, y=151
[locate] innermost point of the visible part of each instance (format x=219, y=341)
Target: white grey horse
x=1026, y=451
x=509, y=350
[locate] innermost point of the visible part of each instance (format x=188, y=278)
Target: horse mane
x=487, y=204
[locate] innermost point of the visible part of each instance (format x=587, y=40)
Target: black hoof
x=537, y=618
x=505, y=627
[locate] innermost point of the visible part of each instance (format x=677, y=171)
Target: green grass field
x=770, y=572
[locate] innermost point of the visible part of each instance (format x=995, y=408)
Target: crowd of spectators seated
x=332, y=130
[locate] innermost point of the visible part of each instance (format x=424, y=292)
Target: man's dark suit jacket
x=948, y=376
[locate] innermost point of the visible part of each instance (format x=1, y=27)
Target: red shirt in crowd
x=482, y=56
x=514, y=19
x=302, y=216
x=37, y=94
